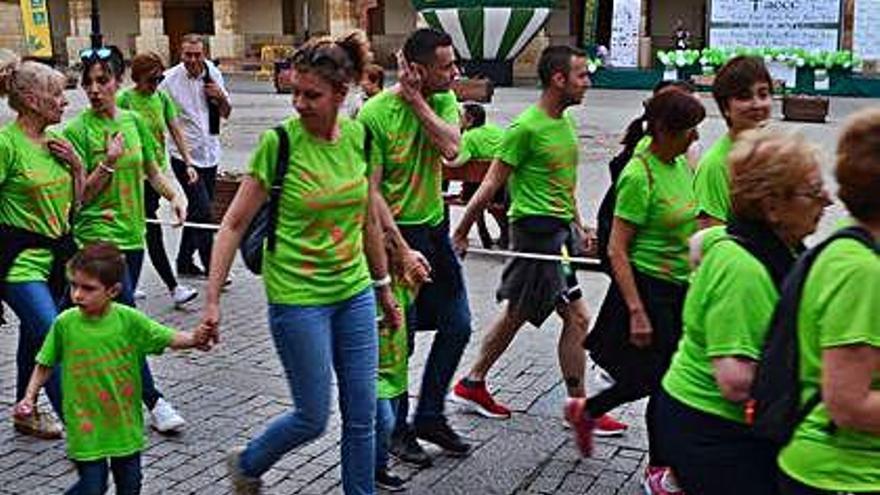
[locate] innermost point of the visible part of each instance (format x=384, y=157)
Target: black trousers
x=712, y=455
x=200, y=196
x=155, y=243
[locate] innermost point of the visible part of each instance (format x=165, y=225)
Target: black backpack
x=774, y=410
x=262, y=228
x=605, y=215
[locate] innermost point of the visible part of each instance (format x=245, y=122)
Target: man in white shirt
x=196, y=85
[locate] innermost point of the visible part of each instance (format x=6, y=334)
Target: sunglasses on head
x=90, y=54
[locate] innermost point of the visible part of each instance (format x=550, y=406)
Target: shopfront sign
x=866, y=32
x=625, y=22
x=808, y=24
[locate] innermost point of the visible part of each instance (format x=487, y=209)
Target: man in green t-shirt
x=414, y=127
x=539, y=157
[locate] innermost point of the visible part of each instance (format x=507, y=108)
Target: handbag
x=261, y=231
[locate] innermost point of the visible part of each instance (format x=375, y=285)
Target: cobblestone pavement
x=228, y=395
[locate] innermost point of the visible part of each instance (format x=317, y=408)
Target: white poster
x=625, y=33
x=810, y=24
x=866, y=32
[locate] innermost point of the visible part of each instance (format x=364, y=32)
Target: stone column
x=343, y=17
x=80, y=13
x=152, y=37
x=227, y=42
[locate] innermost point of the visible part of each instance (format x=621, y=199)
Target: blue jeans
x=385, y=420
x=36, y=310
x=312, y=342
x=93, y=476
x=441, y=305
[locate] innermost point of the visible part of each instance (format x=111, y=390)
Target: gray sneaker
x=241, y=484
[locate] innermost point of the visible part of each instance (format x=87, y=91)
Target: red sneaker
x=607, y=426
x=576, y=414
x=477, y=398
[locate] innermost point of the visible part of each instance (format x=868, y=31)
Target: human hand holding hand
x=416, y=268
x=210, y=322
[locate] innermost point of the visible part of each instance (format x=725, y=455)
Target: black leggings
x=155, y=244
x=711, y=455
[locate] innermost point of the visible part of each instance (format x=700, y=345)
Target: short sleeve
x=850, y=315
x=633, y=194
x=264, y=159
x=515, y=146
x=739, y=307
x=151, y=336
x=148, y=141
x=468, y=144
x=50, y=352
x=447, y=107
x=169, y=108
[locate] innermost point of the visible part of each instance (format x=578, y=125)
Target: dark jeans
x=199, y=196
x=711, y=455
x=32, y=302
x=155, y=244
x=637, y=372
x=441, y=305
x=93, y=476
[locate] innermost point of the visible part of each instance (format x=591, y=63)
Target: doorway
x=186, y=17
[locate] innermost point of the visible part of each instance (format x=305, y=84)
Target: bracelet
x=382, y=282
x=106, y=168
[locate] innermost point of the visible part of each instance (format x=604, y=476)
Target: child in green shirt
x=100, y=346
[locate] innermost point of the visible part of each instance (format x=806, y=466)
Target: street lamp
x=96, y=37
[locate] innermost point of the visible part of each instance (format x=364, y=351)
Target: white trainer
x=164, y=419
x=183, y=294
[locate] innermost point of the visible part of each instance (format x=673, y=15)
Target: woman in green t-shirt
x=119, y=153
x=322, y=311
x=777, y=198
x=742, y=89
x=639, y=323
x=159, y=112
x=39, y=178
x=836, y=449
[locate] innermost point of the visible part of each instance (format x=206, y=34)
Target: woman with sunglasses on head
x=41, y=179
x=119, y=153
x=322, y=311
x=639, y=323
x=777, y=199
x=159, y=113
x=743, y=90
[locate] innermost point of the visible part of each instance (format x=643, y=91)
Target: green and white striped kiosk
x=488, y=34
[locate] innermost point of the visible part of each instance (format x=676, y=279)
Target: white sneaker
x=164, y=419
x=183, y=294
x=139, y=294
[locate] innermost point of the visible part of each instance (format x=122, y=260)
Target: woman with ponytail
x=321, y=276
x=40, y=180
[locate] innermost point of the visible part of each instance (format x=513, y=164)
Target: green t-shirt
x=116, y=213
x=663, y=208
x=36, y=194
x=839, y=307
x=393, y=352
x=480, y=143
x=712, y=180
x=412, y=172
x=543, y=155
x=158, y=111
x=101, y=360
x=727, y=312
x=319, y=255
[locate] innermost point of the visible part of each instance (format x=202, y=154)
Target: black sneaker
x=388, y=481
x=440, y=434
x=405, y=447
